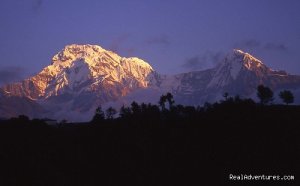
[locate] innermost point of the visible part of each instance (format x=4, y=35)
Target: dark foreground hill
x=187, y=146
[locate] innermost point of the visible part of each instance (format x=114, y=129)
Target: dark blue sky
x=172, y=35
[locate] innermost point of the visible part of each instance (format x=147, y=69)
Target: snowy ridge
x=82, y=77
x=238, y=74
x=82, y=68
x=233, y=65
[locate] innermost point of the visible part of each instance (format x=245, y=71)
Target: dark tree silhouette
x=23, y=118
x=135, y=108
x=110, y=113
x=170, y=99
x=125, y=112
x=99, y=115
x=265, y=94
x=20, y=119
x=166, y=98
x=286, y=96
x=162, y=102
x=225, y=95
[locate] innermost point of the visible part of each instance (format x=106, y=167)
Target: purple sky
x=173, y=36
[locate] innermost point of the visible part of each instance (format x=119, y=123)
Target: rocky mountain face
x=79, y=69
x=82, y=77
x=238, y=74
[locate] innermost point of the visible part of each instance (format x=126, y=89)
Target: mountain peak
x=82, y=47
x=239, y=52
x=74, y=51
x=236, y=62
x=92, y=54
x=246, y=57
x=238, y=58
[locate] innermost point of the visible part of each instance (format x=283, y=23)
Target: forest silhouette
x=164, y=144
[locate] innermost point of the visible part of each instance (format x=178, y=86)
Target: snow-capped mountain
x=84, y=68
x=82, y=77
x=238, y=74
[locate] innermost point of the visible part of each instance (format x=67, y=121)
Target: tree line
x=166, y=106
